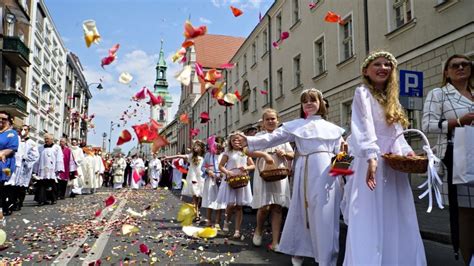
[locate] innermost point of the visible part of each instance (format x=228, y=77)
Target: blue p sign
x=411, y=83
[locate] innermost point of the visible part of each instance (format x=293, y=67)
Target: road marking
x=98, y=248
x=65, y=256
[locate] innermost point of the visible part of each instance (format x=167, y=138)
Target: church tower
x=161, y=112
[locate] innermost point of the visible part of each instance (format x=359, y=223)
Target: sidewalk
x=434, y=225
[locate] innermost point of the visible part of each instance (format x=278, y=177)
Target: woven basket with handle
x=408, y=164
x=240, y=180
x=273, y=172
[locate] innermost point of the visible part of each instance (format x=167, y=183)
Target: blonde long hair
x=393, y=110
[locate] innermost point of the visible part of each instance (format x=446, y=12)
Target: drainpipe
x=366, y=27
x=226, y=107
x=269, y=47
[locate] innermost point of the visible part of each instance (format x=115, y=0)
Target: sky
x=138, y=26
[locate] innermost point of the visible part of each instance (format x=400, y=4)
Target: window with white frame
x=296, y=11
x=319, y=60
x=402, y=12
x=278, y=26
x=11, y=28
x=254, y=99
x=296, y=71
x=265, y=88
x=7, y=77
x=18, y=82
x=265, y=42
x=32, y=119
x=254, y=52
x=280, y=81
x=346, y=38
x=346, y=113
x=42, y=124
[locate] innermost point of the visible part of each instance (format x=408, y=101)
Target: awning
x=19, y=15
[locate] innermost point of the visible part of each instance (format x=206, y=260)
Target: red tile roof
x=214, y=50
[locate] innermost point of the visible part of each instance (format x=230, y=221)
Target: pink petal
x=276, y=45
x=284, y=35
x=227, y=66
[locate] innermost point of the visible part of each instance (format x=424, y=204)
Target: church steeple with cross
x=161, y=112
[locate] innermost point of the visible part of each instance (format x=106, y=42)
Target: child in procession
x=194, y=180
x=312, y=225
x=270, y=197
x=213, y=178
x=234, y=162
x=381, y=215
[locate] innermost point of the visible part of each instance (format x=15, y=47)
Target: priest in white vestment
x=48, y=167
x=77, y=157
x=155, y=171
x=138, y=166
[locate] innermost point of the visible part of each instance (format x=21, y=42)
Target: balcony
x=13, y=101
x=16, y=51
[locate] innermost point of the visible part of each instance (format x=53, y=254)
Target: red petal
x=144, y=249
x=284, y=35
x=264, y=92
x=332, y=17
x=187, y=44
x=110, y=201
x=237, y=12
x=97, y=213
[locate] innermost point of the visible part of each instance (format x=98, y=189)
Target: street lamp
x=99, y=86
x=104, y=135
x=112, y=124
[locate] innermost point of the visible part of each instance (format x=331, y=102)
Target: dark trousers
x=5, y=197
x=21, y=192
x=46, y=191
x=62, y=185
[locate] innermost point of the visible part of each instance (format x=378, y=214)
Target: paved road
x=73, y=232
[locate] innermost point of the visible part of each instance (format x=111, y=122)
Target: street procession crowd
x=375, y=200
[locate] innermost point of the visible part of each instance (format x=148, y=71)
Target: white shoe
x=257, y=240
x=226, y=227
x=296, y=261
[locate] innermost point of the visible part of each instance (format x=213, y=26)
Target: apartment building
x=15, y=20
x=47, y=79
x=76, y=100
x=422, y=34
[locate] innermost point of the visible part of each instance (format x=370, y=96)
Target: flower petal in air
x=235, y=11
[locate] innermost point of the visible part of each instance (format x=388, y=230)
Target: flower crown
x=376, y=55
x=312, y=89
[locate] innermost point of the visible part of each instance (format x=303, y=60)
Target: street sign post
x=411, y=89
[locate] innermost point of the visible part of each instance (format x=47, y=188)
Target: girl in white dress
x=194, y=181
x=213, y=178
x=138, y=168
x=312, y=226
x=270, y=196
x=382, y=223
x=234, y=158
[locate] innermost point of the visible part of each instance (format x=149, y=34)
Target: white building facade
x=47, y=79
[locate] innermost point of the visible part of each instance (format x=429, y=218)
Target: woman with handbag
x=446, y=108
x=271, y=197
x=382, y=223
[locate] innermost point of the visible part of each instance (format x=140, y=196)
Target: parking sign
x=411, y=83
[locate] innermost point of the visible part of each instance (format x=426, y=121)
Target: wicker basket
x=273, y=172
x=240, y=180
x=408, y=164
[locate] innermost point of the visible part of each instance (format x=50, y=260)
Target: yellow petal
x=192, y=231
x=3, y=237
x=186, y=214
x=207, y=232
